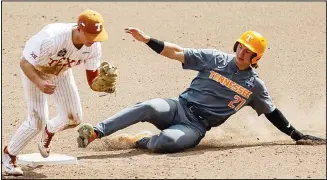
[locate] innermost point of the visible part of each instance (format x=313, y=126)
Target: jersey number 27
x=237, y=100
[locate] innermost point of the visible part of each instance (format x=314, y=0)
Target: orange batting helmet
x=253, y=41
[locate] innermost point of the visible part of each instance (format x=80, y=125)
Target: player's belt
x=196, y=112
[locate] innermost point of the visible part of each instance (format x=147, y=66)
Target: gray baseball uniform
x=219, y=90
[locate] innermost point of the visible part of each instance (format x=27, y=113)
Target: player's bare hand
x=138, y=34
x=46, y=86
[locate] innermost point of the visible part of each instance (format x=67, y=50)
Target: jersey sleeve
x=262, y=103
x=201, y=59
x=94, y=60
x=38, y=47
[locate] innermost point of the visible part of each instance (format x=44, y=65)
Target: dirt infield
x=246, y=146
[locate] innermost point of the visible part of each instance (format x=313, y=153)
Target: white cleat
x=10, y=165
x=43, y=145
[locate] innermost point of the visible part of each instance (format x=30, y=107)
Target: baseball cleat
x=43, y=145
x=10, y=165
x=86, y=135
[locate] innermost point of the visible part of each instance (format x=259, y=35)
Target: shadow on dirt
x=200, y=149
x=129, y=153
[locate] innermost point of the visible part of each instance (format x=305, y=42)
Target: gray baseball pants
x=180, y=129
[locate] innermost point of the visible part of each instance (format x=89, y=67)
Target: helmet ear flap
x=235, y=46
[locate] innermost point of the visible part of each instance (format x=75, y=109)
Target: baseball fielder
x=46, y=65
x=225, y=83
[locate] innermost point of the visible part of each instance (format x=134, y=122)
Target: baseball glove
x=310, y=140
x=106, y=80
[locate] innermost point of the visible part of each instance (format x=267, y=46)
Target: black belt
x=195, y=111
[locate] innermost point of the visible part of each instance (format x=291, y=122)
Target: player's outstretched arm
x=169, y=50
x=277, y=119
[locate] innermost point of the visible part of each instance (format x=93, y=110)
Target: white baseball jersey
x=52, y=51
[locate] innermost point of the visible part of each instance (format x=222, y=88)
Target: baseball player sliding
x=225, y=83
x=46, y=65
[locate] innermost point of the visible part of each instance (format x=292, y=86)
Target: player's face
x=243, y=55
x=86, y=40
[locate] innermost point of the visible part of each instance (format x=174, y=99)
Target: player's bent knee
x=167, y=144
x=146, y=108
x=155, y=105
x=34, y=121
x=33, y=128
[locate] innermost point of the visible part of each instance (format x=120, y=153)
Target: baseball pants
x=178, y=131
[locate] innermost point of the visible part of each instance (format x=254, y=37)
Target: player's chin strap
x=278, y=120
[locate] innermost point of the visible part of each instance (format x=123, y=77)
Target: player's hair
x=255, y=65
